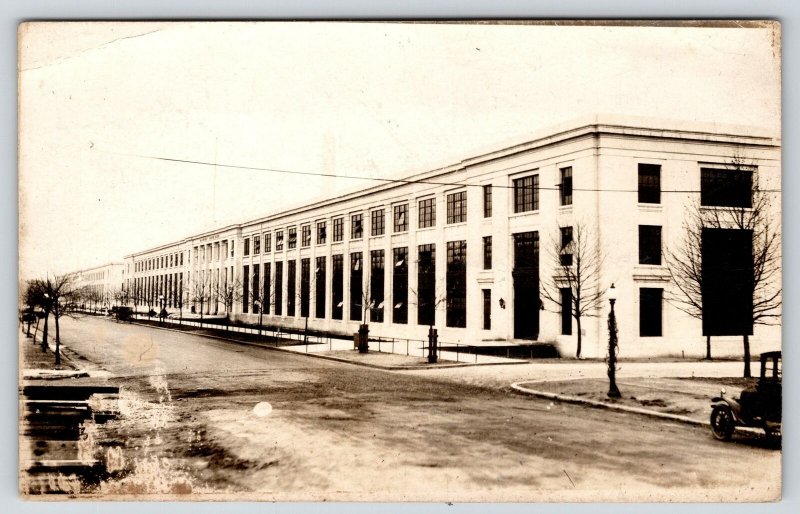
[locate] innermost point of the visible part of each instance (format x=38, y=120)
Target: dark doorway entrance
x=526, y=285
x=727, y=276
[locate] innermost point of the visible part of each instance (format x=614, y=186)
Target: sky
x=101, y=105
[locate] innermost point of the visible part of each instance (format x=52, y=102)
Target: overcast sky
x=98, y=101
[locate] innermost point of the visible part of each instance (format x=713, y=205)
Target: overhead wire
x=409, y=181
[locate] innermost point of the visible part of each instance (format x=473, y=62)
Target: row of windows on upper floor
x=161, y=262
x=719, y=187
x=100, y=275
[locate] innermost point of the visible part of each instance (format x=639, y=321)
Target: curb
x=335, y=359
x=621, y=408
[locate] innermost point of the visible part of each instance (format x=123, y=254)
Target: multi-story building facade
x=103, y=283
x=466, y=248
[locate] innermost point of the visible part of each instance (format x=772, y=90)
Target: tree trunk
x=578, y=351
x=708, y=348
x=44, y=332
x=746, y=342
x=58, y=340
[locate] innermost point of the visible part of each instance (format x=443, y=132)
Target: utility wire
x=406, y=181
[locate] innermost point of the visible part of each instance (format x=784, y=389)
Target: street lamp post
x=613, y=390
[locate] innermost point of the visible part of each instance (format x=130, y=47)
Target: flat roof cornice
x=588, y=126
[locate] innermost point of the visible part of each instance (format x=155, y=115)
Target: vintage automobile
x=124, y=313
x=757, y=406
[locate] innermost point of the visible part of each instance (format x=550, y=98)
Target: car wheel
x=722, y=423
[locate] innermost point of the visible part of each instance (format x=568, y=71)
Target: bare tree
x=228, y=293
x=201, y=292
x=59, y=296
x=755, y=217
x=575, y=250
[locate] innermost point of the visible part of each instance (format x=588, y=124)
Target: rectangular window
x=306, y=236
x=566, y=311
x=322, y=235
x=267, y=243
x=377, y=265
x=565, y=188
x=279, y=241
x=726, y=188
x=356, y=286
x=649, y=183
x=246, y=247
x=427, y=213
x=565, y=256
x=278, y=288
x=267, y=284
x=457, y=207
x=401, y=218
x=400, y=285
x=650, y=244
x=487, y=252
x=487, y=309
x=292, y=243
x=337, y=286
x=487, y=201
x=319, y=281
x=526, y=194
x=650, y=311
x=377, y=224
x=256, y=246
x=426, y=285
x=356, y=226
x=456, y=278
x=338, y=229
x=233, y=247
x=246, y=289
x=291, y=287
x=256, y=287
x=305, y=283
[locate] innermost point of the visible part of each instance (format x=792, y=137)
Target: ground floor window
x=456, y=278
x=305, y=285
x=337, y=287
x=400, y=286
x=487, y=309
x=246, y=289
x=279, y=288
x=356, y=286
x=256, y=287
x=319, y=279
x=376, y=286
x=566, y=311
x=267, y=283
x=426, y=285
x=650, y=300
x=291, y=287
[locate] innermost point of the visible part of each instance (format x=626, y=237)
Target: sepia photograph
x=400, y=261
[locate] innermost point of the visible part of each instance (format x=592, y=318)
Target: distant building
x=104, y=283
x=466, y=248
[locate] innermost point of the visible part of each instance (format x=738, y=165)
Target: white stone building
x=466, y=247
x=105, y=282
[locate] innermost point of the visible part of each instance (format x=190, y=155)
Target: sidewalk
x=36, y=364
x=401, y=354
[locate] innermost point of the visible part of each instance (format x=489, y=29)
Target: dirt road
x=215, y=419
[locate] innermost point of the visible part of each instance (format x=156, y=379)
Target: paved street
x=215, y=418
